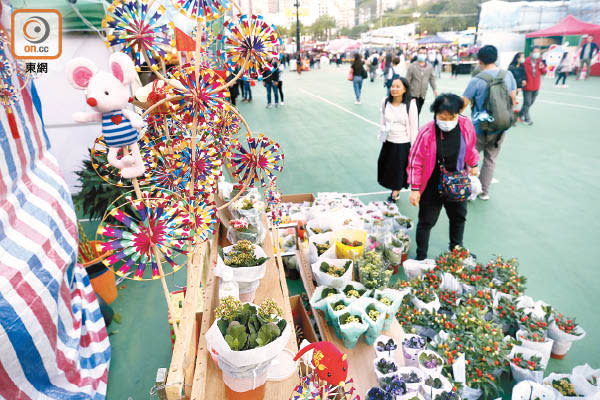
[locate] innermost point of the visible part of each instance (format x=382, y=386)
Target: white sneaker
x=282, y=104
x=268, y=106
x=484, y=197
x=356, y=102
x=564, y=86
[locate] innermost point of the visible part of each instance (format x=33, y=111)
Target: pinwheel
x=112, y=175
x=273, y=199
x=202, y=9
x=222, y=131
x=132, y=230
x=205, y=214
x=261, y=160
x=250, y=45
x=138, y=27
x=205, y=101
x=205, y=170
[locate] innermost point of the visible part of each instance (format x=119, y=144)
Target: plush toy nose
x=92, y=101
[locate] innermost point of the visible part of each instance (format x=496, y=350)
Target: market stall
x=568, y=34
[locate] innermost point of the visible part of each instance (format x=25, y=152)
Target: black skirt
x=391, y=165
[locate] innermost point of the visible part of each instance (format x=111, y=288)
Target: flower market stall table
x=361, y=357
x=208, y=380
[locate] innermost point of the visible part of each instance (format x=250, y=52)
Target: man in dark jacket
x=588, y=52
x=534, y=69
x=271, y=81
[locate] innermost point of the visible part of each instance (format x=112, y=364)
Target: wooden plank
x=361, y=357
x=202, y=360
x=208, y=384
x=184, y=351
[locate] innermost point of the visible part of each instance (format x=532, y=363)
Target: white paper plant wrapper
x=431, y=371
x=379, y=375
x=563, y=340
x=544, y=348
x=244, y=274
x=414, y=268
x=396, y=296
x=580, y=375
x=384, y=339
x=430, y=393
x=432, y=306
x=216, y=343
x=527, y=390
x=553, y=376
x=321, y=239
x=410, y=355
x=412, y=387
x=325, y=279
x=469, y=393
x=523, y=374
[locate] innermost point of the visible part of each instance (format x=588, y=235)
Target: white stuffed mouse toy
x=108, y=95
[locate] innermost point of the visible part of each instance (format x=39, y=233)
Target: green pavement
x=542, y=210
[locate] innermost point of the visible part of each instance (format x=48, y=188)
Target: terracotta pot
x=256, y=394
x=102, y=278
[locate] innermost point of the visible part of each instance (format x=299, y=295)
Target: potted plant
x=528, y=390
x=245, y=338
x=396, y=250
x=351, y=326
x=391, y=299
x=372, y=272
x=534, y=338
x=447, y=395
x=435, y=385
x=562, y=384
x=91, y=257
x=412, y=345
x=564, y=331
x=526, y=365
x=332, y=272
x=394, y=386
x=242, y=230
x=247, y=264
x=375, y=313
x=354, y=291
x=385, y=346
x=322, y=247
x=413, y=378
x=425, y=298
x=429, y=361
x=376, y=393
x=384, y=367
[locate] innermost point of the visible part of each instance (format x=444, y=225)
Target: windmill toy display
x=184, y=138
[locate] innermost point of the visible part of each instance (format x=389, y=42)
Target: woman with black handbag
x=437, y=170
x=358, y=74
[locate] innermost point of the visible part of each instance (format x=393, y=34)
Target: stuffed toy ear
x=121, y=66
x=79, y=72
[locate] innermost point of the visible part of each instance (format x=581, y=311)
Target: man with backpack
x=491, y=93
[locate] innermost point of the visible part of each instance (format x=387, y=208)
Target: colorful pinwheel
x=112, y=175
x=133, y=229
x=205, y=214
x=139, y=30
x=261, y=160
x=250, y=45
x=202, y=9
x=205, y=101
x=273, y=199
x=222, y=131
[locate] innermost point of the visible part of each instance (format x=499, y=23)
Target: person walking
x=534, y=69
x=271, y=82
x=281, y=68
x=498, y=85
x=587, y=54
x=398, y=130
x=246, y=90
x=443, y=146
x=419, y=76
x=517, y=69
x=358, y=74
x=373, y=64
x=455, y=64
x=387, y=63
x=563, y=70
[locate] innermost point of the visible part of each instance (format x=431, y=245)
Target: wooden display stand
x=362, y=356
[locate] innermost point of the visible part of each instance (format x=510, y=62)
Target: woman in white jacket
x=399, y=126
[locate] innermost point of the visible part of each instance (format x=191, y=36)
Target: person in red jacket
x=534, y=69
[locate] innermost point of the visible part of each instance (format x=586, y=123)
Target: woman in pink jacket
x=449, y=141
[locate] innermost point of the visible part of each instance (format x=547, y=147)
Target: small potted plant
x=413, y=378
x=412, y=345
x=240, y=229
x=394, y=386
x=385, y=346
x=247, y=264
x=391, y=299
x=527, y=365
x=430, y=362
x=535, y=339
x=563, y=385
x=425, y=298
x=376, y=393
x=322, y=247
x=242, y=332
x=354, y=291
x=447, y=395
x=564, y=331
x=322, y=297
x=435, y=385
x=91, y=257
x=384, y=368
x=396, y=249
x=332, y=272
x=372, y=272
x=375, y=313
x=351, y=327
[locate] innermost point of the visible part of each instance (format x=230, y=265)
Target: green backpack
x=498, y=103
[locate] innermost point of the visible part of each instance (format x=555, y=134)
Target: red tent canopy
x=568, y=26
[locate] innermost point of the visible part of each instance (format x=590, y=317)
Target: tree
x=321, y=28
x=282, y=31
x=292, y=31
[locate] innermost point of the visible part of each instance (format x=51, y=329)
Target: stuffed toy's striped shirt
x=117, y=129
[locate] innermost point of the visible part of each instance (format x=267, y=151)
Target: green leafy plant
x=236, y=336
x=372, y=271
x=564, y=386
x=373, y=312
x=322, y=247
x=348, y=318
x=533, y=363
x=334, y=270
x=412, y=377
x=242, y=255
x=386, y=366
x=435, y=383
x=328, y=292
x=338, y=305
x=351, y=291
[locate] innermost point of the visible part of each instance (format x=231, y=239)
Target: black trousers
x=419, y=101
x=430, y=207
x=280, y=87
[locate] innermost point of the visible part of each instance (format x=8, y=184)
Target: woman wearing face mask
x=399, y=125
x=518, y=70
x=449, y=142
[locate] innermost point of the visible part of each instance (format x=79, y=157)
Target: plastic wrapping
x=431, y=371
x=563, y=340
x=522, y=374
x=411, y=355
x=317, y=301
x=320, y=239
x=359, y=287
x=325, y=279
x=243, y=274
x=333, y=315
x=476, y=187
x=383, y=340
x=412, y=387
x=581, y=374
x=396, y=297
x=553, y=376
x=414, y=268
x=450, y=283
x=346, y=251
x=432, y=306
x=544, y=348
x=429, y=392
x=528, y=390
x=351, y=332
x=469, y=393
x=381, y=376
x=375, y=326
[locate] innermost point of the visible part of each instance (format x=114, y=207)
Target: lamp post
x=297, y=5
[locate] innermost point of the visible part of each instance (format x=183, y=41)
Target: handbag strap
x=443, y=164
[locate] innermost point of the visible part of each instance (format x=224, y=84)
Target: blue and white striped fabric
x=53, y=340
x=118, y=134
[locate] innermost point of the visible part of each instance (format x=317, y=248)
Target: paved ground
x=543, y=209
